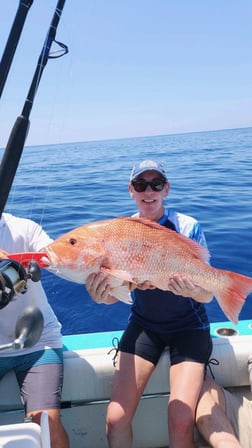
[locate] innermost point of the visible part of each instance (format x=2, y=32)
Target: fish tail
x=231, y=295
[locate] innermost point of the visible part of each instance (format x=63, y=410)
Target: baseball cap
x=147, y=165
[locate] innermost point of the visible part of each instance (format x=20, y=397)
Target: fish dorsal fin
x=195, y=248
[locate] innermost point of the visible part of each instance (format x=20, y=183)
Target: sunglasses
x=155, y=184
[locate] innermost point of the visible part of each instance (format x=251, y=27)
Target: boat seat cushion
x=88, y=374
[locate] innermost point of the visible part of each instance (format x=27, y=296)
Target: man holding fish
x=160, y=256
x=174, y=318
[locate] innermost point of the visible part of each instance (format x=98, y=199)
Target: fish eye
x=72, y=241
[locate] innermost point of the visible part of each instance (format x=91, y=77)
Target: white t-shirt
x=24, y=235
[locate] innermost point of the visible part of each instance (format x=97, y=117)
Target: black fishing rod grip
x=11, y=157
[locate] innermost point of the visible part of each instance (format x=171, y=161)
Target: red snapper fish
x=135, y=250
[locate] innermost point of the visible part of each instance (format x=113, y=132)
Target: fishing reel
x=13, y=279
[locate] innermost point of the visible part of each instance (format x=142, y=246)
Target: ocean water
x=64, y=186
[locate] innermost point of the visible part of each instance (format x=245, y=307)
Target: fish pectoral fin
x=118, y=273
x=121, y=282
x=122, y=293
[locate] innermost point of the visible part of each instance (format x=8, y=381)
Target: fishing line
x=15, y=145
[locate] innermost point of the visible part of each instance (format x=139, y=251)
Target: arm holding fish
x=99, y=288
x=182, y=286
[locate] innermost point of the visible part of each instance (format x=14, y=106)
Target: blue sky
x=134, y=68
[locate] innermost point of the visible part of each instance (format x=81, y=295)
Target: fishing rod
x=16, y=141
x=11, y=45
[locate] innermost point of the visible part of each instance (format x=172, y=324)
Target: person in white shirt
x=38, y=369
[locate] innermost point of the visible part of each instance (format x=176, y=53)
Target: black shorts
x=189, y=345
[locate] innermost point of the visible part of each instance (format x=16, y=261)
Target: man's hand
x=182, y=286
x=4, y=254
x=99, y=289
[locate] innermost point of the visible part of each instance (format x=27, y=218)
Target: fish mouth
x=46, y=262
x=50, y=258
